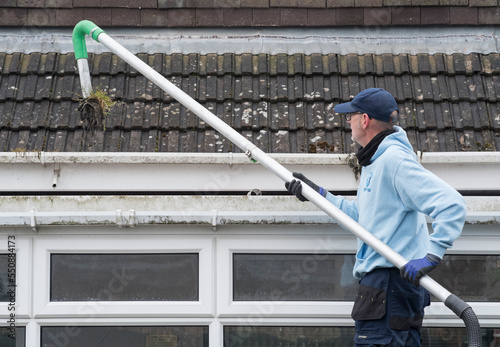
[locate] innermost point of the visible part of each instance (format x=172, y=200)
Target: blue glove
x=415, y=269
x=295, y=186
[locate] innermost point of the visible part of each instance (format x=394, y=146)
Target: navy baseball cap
x=378, y=103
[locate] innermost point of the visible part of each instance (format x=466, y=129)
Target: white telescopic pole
x=255, y=153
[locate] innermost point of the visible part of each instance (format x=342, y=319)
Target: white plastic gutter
x=132, y=218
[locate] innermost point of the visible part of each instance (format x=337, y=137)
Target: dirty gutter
x=214, y=218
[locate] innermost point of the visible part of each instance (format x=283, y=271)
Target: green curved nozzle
x=85, y=27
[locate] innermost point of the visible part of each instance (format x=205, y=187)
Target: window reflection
x=4, y=297
x=470, y=277
x=246, y=336
x=124, y=277
x=78, y=336
x=7, y=339
x=280, y=277
x=328, y=277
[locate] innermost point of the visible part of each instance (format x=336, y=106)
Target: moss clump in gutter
x=95, y=109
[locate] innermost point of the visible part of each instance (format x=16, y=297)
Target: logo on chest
x=368, y=182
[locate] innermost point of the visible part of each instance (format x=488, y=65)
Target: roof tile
x=423, y=88
x=28, y=88
x=41, y=17
x=116, y=89
x=463, y=15
x=454, y=2
x=14, y=16
x=402, y=64
x=317, y=64
x=472, y=64
x=459, y=63
x=297, y=64
x=405, y=15
x=442, y=86
x=321, y=17
x=444, y=117
x=340, y=3
x=279, y=114
x=437, y=64
x=463, y=87
x=261, y=64
x=476, y=86
x=270, y=98
x=30, y=63
x=350, y=16
x=480, y=116
x=490, y=83
x=489, y=15
x=434, y=15
x=406, y=117
x=494, y=60
x=494, y=113
x=266, y=17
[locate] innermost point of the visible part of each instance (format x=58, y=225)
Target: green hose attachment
x=85, y=27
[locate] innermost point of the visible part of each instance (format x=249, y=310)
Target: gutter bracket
x=125, y=220
x=131, y=218
x=119, y=218
x=214, y=220
x=33, y=220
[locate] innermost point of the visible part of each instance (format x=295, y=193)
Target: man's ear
x=365, y=121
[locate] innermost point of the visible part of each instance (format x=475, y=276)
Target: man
x=394, y=195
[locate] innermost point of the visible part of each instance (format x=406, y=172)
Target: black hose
x=465, y=312
x=473, y=328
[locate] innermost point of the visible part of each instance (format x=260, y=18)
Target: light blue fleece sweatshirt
x=394, y=195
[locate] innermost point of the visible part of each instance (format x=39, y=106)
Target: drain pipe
x=457, y=305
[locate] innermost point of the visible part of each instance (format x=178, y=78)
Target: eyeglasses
x=348, y=116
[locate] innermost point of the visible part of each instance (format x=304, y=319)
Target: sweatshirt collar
x=366, y=153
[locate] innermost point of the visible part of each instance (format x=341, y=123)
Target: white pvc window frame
x=476, y=239
x=215, y=307
x=44, y=246
x=313, y=244
x=23, y=302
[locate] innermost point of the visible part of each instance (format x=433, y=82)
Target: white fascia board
x=157, y=172
x=215, y=173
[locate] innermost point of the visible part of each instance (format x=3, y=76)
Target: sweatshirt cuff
x=436, y=250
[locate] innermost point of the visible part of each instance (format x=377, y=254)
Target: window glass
x=9, y=338
x=4, y=289
x=319, y=277
x=242, y=336
x=283, y=277
x=83, y=336
x=246, y=336
x=124, y=277
x=470, y=277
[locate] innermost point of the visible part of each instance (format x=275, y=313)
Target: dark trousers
x=388, y=311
